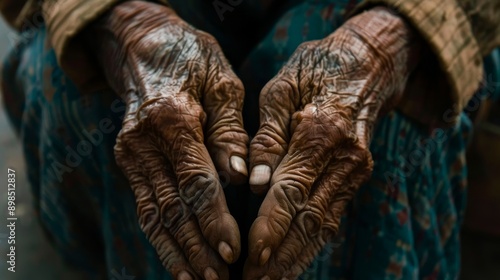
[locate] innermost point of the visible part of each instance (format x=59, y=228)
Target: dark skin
x=183, y=125
x=317, y=117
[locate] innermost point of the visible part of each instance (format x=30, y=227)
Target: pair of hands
x=183, y=125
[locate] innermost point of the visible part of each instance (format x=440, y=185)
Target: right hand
x=318, y=114
x=183, y=122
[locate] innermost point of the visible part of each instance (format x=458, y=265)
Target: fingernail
x=260, y=175
x=265, y=278
x=264, y=256
x=184, y=275
x=239, y=165
x=225, y=252
x=210, y=274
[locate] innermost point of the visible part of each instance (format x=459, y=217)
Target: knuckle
x=227, y=134
x=293, y=194
x=331, y=223
x=168, y=252
x=230, y=83
x=176, y=116
x=168, y=257
x=280, y=223
x=269, y=139
x=307, y=46
x=169, y=109
x=199, y=255
x=328, y=127
x=129, y=136
x=208, y=224
x=284, y=258
x=194, y=250
x=330, y=228
x=312, y=221
x=174, y=213
x=200, y=192
x=137, y=183
x=126, y=164
x=148, y=217
x=275, y=91
x=206, y=38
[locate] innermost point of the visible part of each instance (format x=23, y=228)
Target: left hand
x=312, y=148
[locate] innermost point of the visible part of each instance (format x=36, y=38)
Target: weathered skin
x=183, y=123
x=180, y=93
x=311, y=152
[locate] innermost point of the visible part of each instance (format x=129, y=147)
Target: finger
x=227, y=140
x=148, y=212
x=330, y=225
x=319, y=130
x=307, y=224
x=177, y=217
x=306, y=257
x=179, y=125
x=307, y=235
x=278, y=101
x=331, y=197
x=358, y=164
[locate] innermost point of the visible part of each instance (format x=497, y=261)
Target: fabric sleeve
x=458, y=34
x=484, y=16
x=65, y=19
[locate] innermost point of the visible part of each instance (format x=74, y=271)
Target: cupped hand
x=182, y=125
x=311, y=152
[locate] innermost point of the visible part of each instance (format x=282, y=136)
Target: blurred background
x=36, y=259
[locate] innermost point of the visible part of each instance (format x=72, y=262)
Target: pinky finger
x=148, y=212
x=330, y=224
x=314, y=247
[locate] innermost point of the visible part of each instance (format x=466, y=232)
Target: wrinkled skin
x=183, y=122
x=311, y=152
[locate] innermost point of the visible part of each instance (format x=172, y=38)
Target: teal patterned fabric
x=403, y=224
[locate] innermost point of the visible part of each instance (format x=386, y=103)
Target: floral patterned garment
x=403, y=224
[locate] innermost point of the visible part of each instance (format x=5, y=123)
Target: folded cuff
x=65, y=19
x=455, y=53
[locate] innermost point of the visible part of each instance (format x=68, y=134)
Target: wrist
x=111, y=38
x=388, y=34
x=391, y=42
x=391, y=50
x=133, y=18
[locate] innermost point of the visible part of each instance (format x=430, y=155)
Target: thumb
x=227, y=140
x=270, y=144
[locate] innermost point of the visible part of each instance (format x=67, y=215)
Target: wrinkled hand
x=183, y=122
x=311, y=152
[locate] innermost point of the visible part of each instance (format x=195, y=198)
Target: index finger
x=180, y=134
x=320, y=130
x=226, y=138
